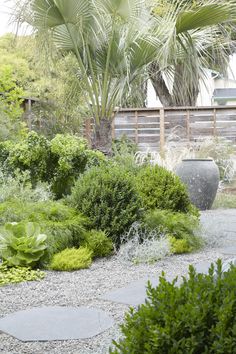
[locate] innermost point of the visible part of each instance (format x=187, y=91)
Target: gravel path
x=85, y=288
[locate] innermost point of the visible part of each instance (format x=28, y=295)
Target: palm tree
x=113, y=41
x=201, y=39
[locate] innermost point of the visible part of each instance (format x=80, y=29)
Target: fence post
x=188, y=124
x=136, y=127
x=214, y=123
x=162, y=130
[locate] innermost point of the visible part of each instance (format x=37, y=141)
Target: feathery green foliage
x=72, y=259
x=98, y=243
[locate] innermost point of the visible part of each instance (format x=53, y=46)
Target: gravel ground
x=85, y=288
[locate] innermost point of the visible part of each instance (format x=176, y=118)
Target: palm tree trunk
x=185, y=92
x=159, y=85
x=102, y=137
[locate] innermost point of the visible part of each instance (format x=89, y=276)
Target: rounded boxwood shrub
x=198, y=316
x=107, y=195
x=161, y=189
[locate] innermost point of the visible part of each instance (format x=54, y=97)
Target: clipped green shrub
x=197, y=316
x=58, y=162
x=98, y=243
x=63, y=225
x=71, y=156
x=29, y=154
x=22, y=244
x=161, y=189
x=72, y=259
x=9, y=275
x=107, y=195
x=178, y=226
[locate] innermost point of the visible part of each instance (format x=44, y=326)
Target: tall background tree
x=114, y=41
x=201, y=44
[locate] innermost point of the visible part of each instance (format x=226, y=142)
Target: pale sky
x=5, y=14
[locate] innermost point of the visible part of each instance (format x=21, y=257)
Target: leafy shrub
x=178, y=226
x=58, y=162
x=9, y=275
x=107, y=196
x=22, y=244
x=70, y=155
x=30, y=154
x=64, y=227
x=162, y=189
x=72, y=259
x=197, y=316
x=98, y=243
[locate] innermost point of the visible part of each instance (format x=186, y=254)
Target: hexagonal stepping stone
x=55, y=323
x=134, y=294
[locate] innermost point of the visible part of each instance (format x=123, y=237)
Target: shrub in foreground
x=72, y=259
x=107, y=195
x=198, y=316
x=161, y=189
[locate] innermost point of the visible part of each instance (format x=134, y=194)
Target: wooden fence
x=151, y=128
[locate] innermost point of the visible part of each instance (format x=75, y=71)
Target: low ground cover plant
x=197, y=316
x=9, y=275
x=72, y=259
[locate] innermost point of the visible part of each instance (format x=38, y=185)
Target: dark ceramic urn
x=201, y=176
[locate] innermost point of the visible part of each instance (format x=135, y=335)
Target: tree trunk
x=159, y=85
x=185, y=91
x=102, y=137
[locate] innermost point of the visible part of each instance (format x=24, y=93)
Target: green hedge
x=197, y=317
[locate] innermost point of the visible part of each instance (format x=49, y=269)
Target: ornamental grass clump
x=197, y=316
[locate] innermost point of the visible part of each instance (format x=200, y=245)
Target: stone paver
x=133, y=294
x=55, y=323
